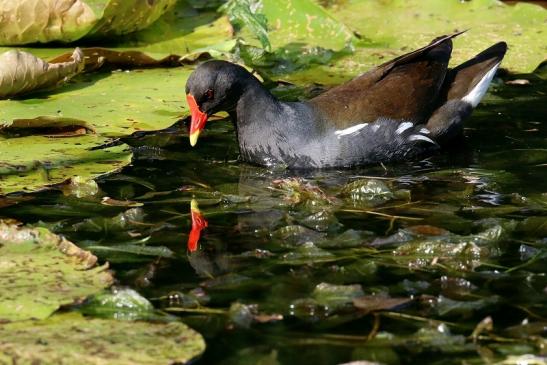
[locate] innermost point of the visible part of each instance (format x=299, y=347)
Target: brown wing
x=405, y=88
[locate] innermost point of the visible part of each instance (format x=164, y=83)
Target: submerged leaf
x=374, y=303
x=42, y=271
x=22, y=72
x=123, y=303
x=307, y=253
x=449, y=307
x=454, y=251
x=367, y=192
x=80, y=187
x=336, y=296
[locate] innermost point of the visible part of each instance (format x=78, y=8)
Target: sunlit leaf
x=72, y=338
x=42, y=271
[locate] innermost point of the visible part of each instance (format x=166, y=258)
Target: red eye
x=209, y=94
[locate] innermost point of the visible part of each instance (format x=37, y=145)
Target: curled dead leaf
x=22, y=72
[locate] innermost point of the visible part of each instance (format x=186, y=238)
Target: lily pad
x=73, y=339
x=41, y=272
x=116, y=105
x=34, y=163
x=389, y=30
x=304, y=21
x=294, y=22
x=182, y=31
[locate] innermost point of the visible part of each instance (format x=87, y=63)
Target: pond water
x=396, y=264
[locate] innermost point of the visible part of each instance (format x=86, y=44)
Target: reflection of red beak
x=199, y=119
x=198, y=224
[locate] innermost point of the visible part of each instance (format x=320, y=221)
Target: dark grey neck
x=255, y=103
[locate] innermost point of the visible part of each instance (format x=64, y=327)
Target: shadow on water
x=274, y=236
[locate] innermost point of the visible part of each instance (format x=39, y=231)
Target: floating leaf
x=117, y=105
x=70, y=338
x=42, y=271
x=304, y=21
x=387, y=27
x=34, y=163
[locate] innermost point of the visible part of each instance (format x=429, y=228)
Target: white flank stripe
x=424, y=131
x=416, y=137
x=403, y=127
x=474, y=97
x=350, y=130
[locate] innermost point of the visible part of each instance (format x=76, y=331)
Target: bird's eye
x=209, y=94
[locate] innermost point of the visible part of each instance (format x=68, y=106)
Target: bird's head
x=213, y=86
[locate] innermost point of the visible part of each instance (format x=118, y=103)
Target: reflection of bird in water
x=258, y=218
x=198, y=224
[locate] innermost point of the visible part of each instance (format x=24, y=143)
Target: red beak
x=199, y=119
x=198, y=224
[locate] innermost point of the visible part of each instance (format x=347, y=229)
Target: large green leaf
x=72, y=339
x=394, y=26
x=304, y=21
x=115, y=105
x=36, y=162
x=42, y=271
x=182, y=31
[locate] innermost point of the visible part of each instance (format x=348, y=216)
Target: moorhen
x=404, y=108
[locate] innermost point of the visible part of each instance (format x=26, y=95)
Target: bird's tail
x=463, y=89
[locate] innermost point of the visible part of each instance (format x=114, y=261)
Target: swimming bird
x=405, y=108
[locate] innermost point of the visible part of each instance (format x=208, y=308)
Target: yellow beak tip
x=194, y=138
